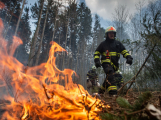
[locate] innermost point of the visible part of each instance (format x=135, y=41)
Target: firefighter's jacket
x=110, y=53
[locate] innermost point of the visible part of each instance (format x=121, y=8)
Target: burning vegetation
x=36, y=93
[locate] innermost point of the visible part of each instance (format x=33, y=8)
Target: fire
x=34, y=92
x=2, y=5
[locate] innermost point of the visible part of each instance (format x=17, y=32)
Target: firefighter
x=110, y=50
x=119, y=79
x=92, y=78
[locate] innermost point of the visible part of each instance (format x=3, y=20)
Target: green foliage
x=85, y=22
x=108, y=116
x=139, y=104
x=122, y=102
x=151, y=36
x=98, y=32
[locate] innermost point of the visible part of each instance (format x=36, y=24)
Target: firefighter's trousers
x=109, y=83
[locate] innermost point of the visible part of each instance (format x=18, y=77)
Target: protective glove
x=97, y=64
x=129, y=61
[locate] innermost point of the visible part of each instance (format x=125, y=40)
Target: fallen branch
x=132, y=80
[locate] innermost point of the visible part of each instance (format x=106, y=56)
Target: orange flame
x=2, y=5
x=31, y=97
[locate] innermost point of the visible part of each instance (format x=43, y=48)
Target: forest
x=72, y=26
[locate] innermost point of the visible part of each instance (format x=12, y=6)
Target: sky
x=106, y=8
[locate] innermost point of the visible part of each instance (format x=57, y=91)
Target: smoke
x=106, y=8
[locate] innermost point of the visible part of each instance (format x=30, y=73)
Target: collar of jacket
x=109, y=40
x=93, y=70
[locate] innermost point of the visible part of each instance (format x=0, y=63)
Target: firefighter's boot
x=112, y=88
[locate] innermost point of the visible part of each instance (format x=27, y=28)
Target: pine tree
x=51, y=25
x=151, y=37
x=96, y=30
x=98, y=33
x=33, y=48
x=84, y=35
x=72, y=39
x=24, y=32
x=42, y=34
x=10, y=17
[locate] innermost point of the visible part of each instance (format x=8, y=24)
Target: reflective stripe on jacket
x=110, y=53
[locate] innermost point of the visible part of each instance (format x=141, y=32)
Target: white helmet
x=110, y=29
x=118, y=72
x=94, y=67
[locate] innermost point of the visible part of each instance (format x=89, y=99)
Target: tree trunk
x=19, y=18
x=68, y=52
x=54, y=27
x=9, y=21
x=34, y=39
x=83, y=65
x=42, y=36
x=65, y=44
x=77, y=59
x=19, y=22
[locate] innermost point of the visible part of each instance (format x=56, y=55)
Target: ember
x=33, y=98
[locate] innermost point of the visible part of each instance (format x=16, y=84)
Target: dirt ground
x=131, y=97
